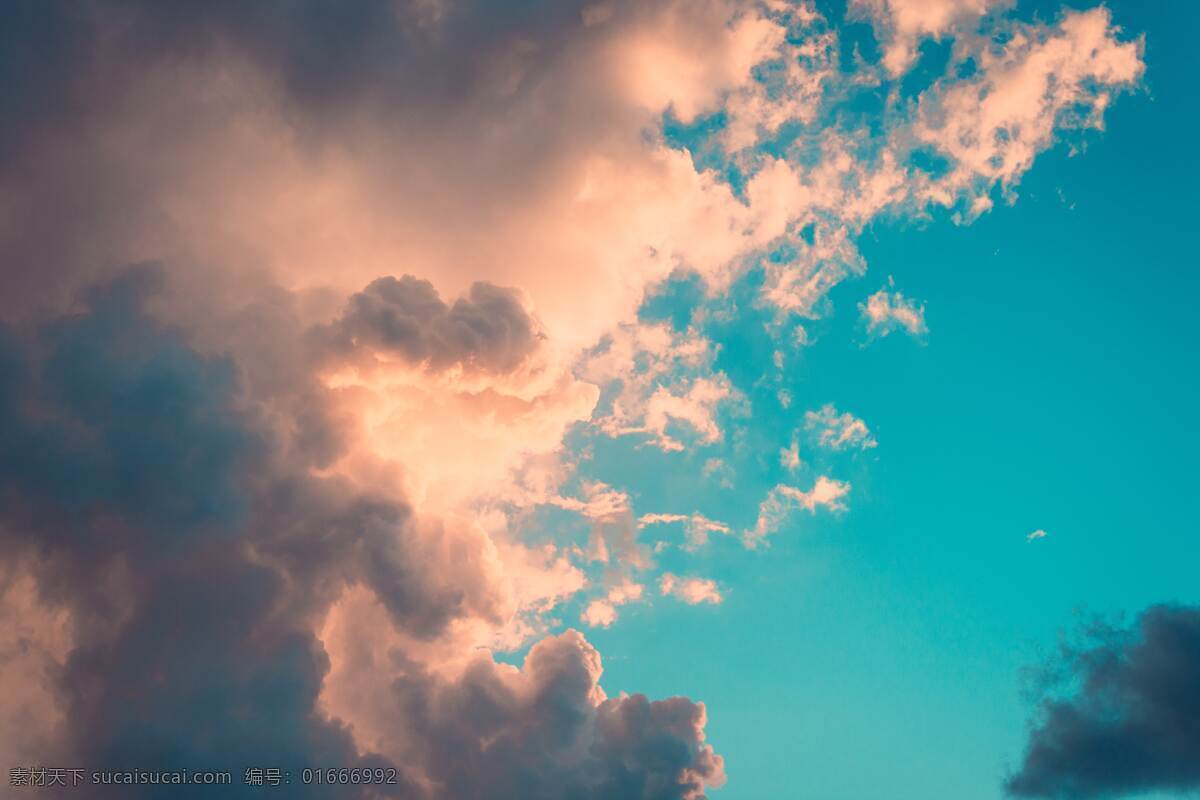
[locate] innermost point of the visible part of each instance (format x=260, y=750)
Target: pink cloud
x=692, y=591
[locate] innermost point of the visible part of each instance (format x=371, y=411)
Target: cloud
x=696, y=526
x=667, y=387
x=902, y=24
x=488, y=329
x=210, y=601
x=602, y=612
x=614, y=532
x=148, y=503
x=543, y=730
x=1127, y=723
x=1038, y=534
x=789, y=457
x=1043, y=78
x=838, y=431
x=692, y=591
x=885, y=312
x=782, y=499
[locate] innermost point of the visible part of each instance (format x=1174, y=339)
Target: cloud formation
x=838, y=431
x=1127, y=722
x=267, y=498
x=692, y=591
x=886, y=312
x=783, y=499
x=488, y=329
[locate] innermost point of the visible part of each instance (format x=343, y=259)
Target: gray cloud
x=488, y=329
x=148, y=499
x=1133, y=723
x=545, y=736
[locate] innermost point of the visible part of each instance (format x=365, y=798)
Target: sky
x=601, y=400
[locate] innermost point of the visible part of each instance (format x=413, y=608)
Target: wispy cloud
x=885, y=312
x=826, y=493
x=692, y=591
x=838, y=431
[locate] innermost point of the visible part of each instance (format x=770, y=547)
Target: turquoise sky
x=885, y=651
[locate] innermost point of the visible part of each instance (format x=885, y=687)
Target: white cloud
x=783, y=499
x=885, y=312
x=602, y=612
x=666, y=385
x=1043, y=78
x=696, y=526
x=902, y=24
x=692, y=591
x=789, y=457
x=1038, y=534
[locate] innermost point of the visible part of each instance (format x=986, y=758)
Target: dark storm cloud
x=1133, y=725
x=488, y=329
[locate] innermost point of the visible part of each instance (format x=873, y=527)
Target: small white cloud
x=692, y=591
x=602, y=612
x=696, y=526
x=789, y=457
x=1038, y=534
x=782, y=499
x=838, y=431
x=599, y=614
x=887, y=311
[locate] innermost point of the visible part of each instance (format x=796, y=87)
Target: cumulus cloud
x=151, y=507
x=488, y=329
x=838, y=431
x=692, y=591
x=542, y=730
x=207, y=594
x=1126, y=723
x=783, y=499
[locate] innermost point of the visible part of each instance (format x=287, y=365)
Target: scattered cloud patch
x=779, y=503
x=838, y=431
x=602, y=612
x=885, y=312
x=697, y=526
x=789, y=457
x=692, y=591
